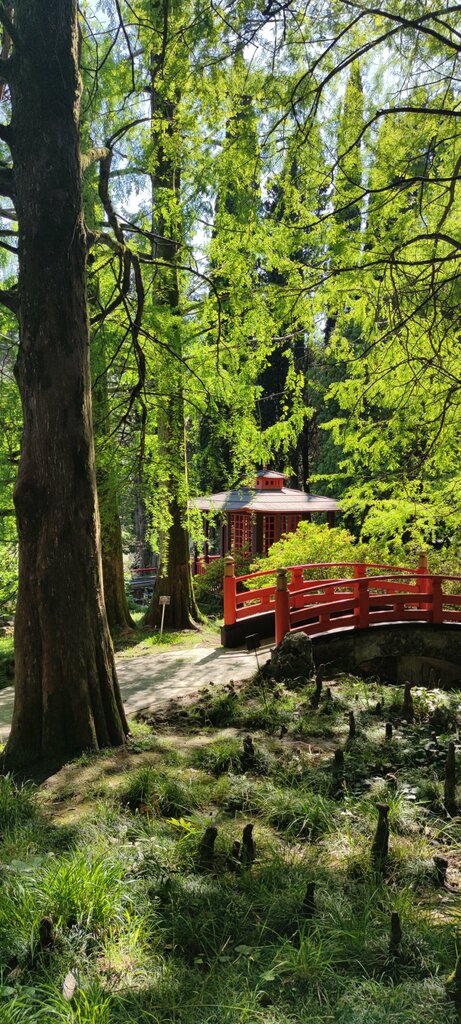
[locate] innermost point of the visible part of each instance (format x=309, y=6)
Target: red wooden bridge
x=361, y=596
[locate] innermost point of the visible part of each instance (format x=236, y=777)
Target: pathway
x=151, y=680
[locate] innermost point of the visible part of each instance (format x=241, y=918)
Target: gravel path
x=151, y=680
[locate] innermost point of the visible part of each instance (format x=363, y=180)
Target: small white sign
x=164, y=599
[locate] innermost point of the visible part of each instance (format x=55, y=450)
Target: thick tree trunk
x=174, y=576
x=67, y=696
x=144, y=557
x=118, y=613
x=176, y=582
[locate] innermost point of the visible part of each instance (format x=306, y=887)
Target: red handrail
x=358, y=601
x=322, y=565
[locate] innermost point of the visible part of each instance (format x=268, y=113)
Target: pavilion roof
x=248, y=499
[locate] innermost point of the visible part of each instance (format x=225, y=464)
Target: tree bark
x=67, y=696
x=174, y=575
x=118, y=613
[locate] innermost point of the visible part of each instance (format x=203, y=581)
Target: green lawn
x=142, y=641
x=105, y=887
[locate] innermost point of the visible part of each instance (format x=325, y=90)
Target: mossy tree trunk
x=118, y=613
x=174, y=575
x=67, y=697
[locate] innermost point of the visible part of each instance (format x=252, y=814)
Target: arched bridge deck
x=359, y=596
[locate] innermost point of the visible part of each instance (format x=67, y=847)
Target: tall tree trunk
x=144, y=556
x=174, y=575
x=118, y=613
x=67, y=695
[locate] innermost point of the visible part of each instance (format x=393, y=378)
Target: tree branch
x=7, y=23
x=93, y=155
x=7, y=183
x=9, y=298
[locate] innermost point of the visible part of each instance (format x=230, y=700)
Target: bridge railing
x=244, y=598
x=366, y=601
x=371, y=593
x=200, y=563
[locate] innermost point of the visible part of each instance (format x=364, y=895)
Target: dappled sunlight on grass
x=153, y=928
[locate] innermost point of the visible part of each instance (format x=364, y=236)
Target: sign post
x=164, y=601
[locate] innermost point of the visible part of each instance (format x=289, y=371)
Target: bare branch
x=9, y=298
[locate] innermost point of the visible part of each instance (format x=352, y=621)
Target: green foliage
x=313, y=543
x=16, y=802
x=209, y=585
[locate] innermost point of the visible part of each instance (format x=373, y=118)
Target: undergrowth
x=111, y=911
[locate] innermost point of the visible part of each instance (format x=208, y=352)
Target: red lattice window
x=290, y=523
x=240, y=531
x=268, y=532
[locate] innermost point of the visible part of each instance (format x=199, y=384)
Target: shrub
x=314, y=542
x=209, y=586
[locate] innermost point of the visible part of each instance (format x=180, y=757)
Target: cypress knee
x=46, y=933
x=396, y=933
x=408, y=709
x=206, y=848
x=315, y=699
x=338, y=760
x=248, y=751
x=441, y=867
x=233, y=860
x=449, y=788
x=248, y=851
x=380, y=847
x=309, y=900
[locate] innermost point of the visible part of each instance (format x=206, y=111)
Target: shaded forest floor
x=114, y=910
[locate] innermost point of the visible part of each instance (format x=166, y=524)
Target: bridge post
x=230, y=591
x=359, y=571
x=363, y=611
x=282, y=607
x=424, y=585
x=437, y=600
x=297, y=579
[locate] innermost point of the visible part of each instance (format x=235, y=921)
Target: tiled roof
x=246, y=499
x=270, y=474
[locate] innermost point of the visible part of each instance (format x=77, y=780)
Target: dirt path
x=151, y=680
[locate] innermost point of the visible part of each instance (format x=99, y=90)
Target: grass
x=110, y=853
x=142, y=640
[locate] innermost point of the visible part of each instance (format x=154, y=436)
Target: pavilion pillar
x=224, y=544
x=206, y=528
x=230, y=539
x=259, y=533
x=331, y=519
x=278, y=525
x=254, y=530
